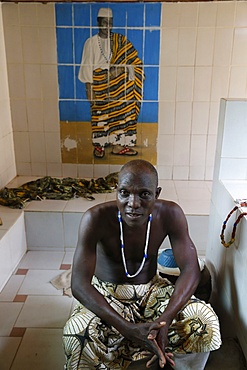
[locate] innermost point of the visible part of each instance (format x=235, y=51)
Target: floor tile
x=8, y=315
x=8, y=348
x=65, y=266
x=37, y=282
x=44, y=312
x=20, y=298
x=40, y=349
x=68, y=257
x=42, y=260
x=21, y=272
x=17, y=332
x=11, y=288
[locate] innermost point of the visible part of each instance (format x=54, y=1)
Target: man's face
x=136, y=195
x=105, y=26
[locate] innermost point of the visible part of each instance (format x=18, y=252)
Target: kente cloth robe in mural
x=115, y=71
x=90, y=343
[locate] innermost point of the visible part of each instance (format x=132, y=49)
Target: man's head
x=137, y=191
x=105, y=22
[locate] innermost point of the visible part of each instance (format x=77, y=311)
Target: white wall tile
x=22, y=147
x=226, y=14
x=183, y=118
x=28, y=14
x=220, y=82
x=238, y=83
x=211, y=148
x=30, y=40
x=167, y=88
x=19, y=115
x=13, y=44
x=166, y=118
x=100, y=170
x=182, y=150
x=69, y=170
x=197, y=172
x=35, y=115
x=209, y=171
x=51, y=115
x=188, y=14
x=16, y=81
x=207, y=14
x=180, y=172
x=202, y=84
x=47, y=40
x=239, y=53
x=86, y=171
x=49, y=81
x=200, y=117
x=23, y=168
x=213, y=118
x=169, y=46
x=165, y=172
x=10, y=14
x=54, y=169
x=53, y=148
x=186, y=46
x=40, y=228
x=38, y=169
x=241, y=14
x=6, y=126
x=170, y=15
x=223, y=46
x=33, y=81
x=37, y=147
x=166, y=149
x=45, y=14
x=185, y=80
x=205, y=46
x=198, y=150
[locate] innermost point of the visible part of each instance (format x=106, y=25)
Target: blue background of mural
x=75, y=23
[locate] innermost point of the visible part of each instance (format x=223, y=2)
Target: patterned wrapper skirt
x=90, y=343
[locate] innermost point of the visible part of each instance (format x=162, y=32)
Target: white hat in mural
x=105, y=13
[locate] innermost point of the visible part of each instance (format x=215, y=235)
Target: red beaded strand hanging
x=231, y=241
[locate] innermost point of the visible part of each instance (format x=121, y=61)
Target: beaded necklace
x=102, y=51
x=145, y=255
x=232, y=240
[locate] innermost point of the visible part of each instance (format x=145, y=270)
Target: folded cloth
x=63, y=281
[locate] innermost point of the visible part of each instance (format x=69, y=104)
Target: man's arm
x=186, y=258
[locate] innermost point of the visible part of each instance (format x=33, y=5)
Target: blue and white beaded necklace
x=145, y=256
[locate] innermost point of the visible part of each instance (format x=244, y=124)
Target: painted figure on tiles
x=113, y=75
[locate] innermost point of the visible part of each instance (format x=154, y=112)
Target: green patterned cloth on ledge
x=54, y=188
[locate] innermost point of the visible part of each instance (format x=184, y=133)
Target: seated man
x=125, y=309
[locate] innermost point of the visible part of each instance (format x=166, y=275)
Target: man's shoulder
x=103, y=208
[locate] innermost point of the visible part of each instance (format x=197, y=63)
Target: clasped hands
x=160, y=353
x=152, y=337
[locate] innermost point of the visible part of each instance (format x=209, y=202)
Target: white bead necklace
x=108, y=59
x=145, y=256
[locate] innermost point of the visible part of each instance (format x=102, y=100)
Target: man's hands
x=160, y=344
x=149, y=336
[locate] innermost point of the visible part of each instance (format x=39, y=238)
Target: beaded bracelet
x=231, y=241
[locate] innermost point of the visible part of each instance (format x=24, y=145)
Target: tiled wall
x=7, y=157
x=203, y=58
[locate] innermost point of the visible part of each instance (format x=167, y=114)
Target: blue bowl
x=166, y=259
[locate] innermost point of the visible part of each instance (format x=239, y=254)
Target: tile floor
x=33, y=312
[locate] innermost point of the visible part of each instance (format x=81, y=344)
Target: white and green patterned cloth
x=90, y=343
